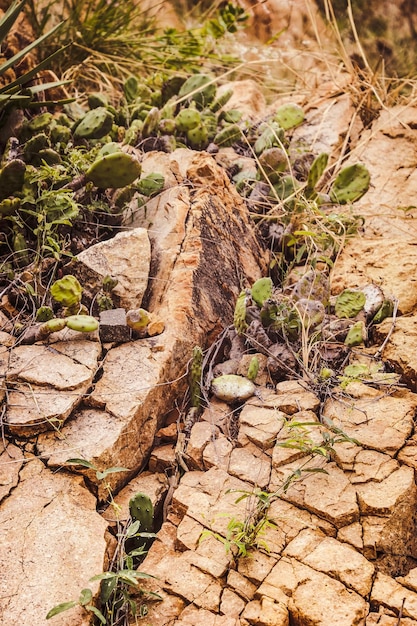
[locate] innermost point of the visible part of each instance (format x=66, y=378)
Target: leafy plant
x=244, y=535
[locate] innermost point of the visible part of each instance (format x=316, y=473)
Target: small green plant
x=244, y=535
x=120, y=593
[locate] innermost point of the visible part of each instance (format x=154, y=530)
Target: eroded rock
x=52, y=543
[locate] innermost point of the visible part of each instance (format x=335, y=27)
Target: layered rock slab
x=203, y=246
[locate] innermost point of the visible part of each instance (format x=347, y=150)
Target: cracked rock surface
x=340, y=545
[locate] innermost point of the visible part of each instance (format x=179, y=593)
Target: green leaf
x=111, y=470
x=82, y=462
x=133, y=529
x=85, y=597
x=97, y=613
x=60, y=608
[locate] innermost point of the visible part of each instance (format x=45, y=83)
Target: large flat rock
x=52, y=542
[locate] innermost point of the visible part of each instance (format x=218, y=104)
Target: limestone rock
x=217, y=453
x=365, y=260
x=260, y=425
x=254, y=469
x=386, y=592
x=266, y=612
x=127, y=257
x=334, y=604
x=327, y=555
x=247, y=97
x=328, y=495
x=11, y=461
x=290, y=397
x=394, y=182
x=52, y=543
x=194, y=299
x=48, y=383
x=378, y=421
x=401, y=349
x=202, y=433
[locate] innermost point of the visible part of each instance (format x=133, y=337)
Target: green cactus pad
x=40, y=122
x=385, y=311
x=44, y=314
x=67, y=291
x=272, y=135
x=198, y=137
x=12, y=177
x=262, y=290
x=9, y=206
x=220, y=101
x=95, y=124
x=239, y=317
x=137, y=319
x=349, y=303
x=141, y=508
x=96, y=100
x=52, y=326
x=200, y=91
x=187, y=119
x=351, y=183
x=60, y=134
x=356, y=335
x=289, y=115
x=315, y=173
x=82, y=323
x=253, y=368
x=114, y=170
x=228, y=136
x=151, y=122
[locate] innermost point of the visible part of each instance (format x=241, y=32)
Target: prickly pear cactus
x=141, y=510
x=96, y=123
x=253, y=369
x=289, y=116
x=67, y=291
x=239, y=317
x=228, y=136
x=385, y=311
x=187, y=119
x=356, y=335
x=351, y=183
x=198, y=137
x=199, y=89
x=315, y=173
x=272, y=135
x=114, y=170
x=137, y=319
x=12, y=177
x=82, y=323
x=261, y=290
x=349, y=303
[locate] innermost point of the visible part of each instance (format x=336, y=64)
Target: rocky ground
x=341, y=547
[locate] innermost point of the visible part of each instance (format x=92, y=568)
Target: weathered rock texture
x=338, y=544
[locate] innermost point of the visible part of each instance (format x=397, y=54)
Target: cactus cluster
x=278, y=322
